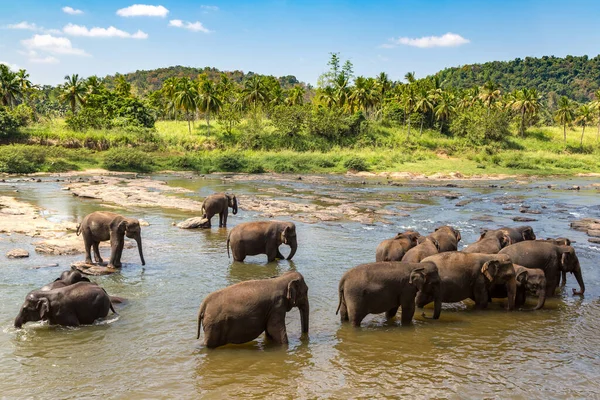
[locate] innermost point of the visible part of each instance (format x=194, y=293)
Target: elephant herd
x=410, y=271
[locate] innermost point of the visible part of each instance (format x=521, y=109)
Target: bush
x=327, y=123
x=289, y=120
x=23, y=114
x=87, y=118
x=126, y=159
x=230, y=162
x=356, y=164
x=480, y=125
x=21, y=159
x=61, y=166
x=8, y=122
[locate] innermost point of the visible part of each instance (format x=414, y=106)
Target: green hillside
x=148, y=81
x=575, y=77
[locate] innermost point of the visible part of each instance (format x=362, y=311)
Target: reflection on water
x=149, y=350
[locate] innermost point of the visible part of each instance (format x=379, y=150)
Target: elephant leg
x=343, y=312
x=481, y=298
x=97, y=253
x=408, y=312
x=225, y=216
x=272, y=253
x=116, y=245
x=356, y=315
x=220, y=219
x=520, y=298
x=209, y=216
x=564, y=279
x=391, y=313
x=88, y=247
x=276, y=329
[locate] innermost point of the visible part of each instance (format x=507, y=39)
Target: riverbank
x=50, y=147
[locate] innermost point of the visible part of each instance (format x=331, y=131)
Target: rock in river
x=17, y=253
x=194, y=223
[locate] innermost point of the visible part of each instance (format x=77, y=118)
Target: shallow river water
x=149, y=350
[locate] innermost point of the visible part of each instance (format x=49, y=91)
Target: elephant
x=561, y=241
x=219, y=203
x=384, y=287
x=100, y=226
x=67, y=278
x=426, y=248
x=73, y=305
x=394, y=249
x=531, y=280
x=262, y=237
x=447, y=237
x=490, y=242
x=550, y=258
x=470, y=276
x=240, y=313
x=516, y=235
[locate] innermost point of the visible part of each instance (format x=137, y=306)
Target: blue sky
x=287, y=37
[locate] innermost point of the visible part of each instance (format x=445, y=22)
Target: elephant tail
x=200, y=319
x=228, y=240
x=202, y=209
x=110, y=302
x=78, y=231
x=341, y=292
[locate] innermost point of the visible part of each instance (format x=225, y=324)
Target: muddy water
x=149, y=350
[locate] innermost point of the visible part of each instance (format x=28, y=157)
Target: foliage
x=481, y=126
x=356, y=163
x=289, y=120
x=126, y=159
x=8, y=122
x=20, y=159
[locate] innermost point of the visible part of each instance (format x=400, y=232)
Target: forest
x=458, y=110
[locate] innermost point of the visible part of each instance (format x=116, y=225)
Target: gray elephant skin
x=262, y=237
x=79, y=304
x=242, y=312
x=219, y=203
x=518, y=234
x=66, y=278
x=470, y=275
x=551, y=258
x=490, y=242
x=529, y=280
x=426, y=248
x=394, y=249
x=384, y=287
x=447, y=238
x=101, y=226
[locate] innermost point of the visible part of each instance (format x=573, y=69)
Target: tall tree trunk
x=441, y=126
x=408, y=126
x=208, y=121
x=582, y=132
x=565, y=131
x=189, y=125
x=421, y=130
x=598, y=134
x=523, y=122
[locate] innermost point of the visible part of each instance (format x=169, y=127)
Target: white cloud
x=447, y=40
x=12, y=67
x=23, y=25
x=52, y=44
x=192, y=26
x=71, y=11
x=143, y=10
x=111, y=31
x=208, y=9
x=44, y=60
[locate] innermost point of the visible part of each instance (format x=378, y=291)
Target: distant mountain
x=144, y=82
x=575, y=77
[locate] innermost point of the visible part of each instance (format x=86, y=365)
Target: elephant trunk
x=294, y=246
x=304, y=315
x=138, y=239
x=511, y=290
x=541, y=298
x=235, y=207
x=577, y=273
x=437, y=305
x=19, y=320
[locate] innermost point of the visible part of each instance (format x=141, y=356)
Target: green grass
x=253, y=149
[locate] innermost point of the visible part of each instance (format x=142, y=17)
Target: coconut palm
x=490, y=94
x=327, y=96
x=73, y=91
x=255, y=92
x=596, y=106
x=410, y=77
x=410, y=99
x=295, y=96
x=341, y=89
x=585, y=117
x=186, y=98
x=168, y=91
x=384, y=85
x=527, y=103
x=209, y=101
x=423, y=105
x=362, y=95
x=93, y=84
x=10, y=90
x=444, y=109
x=564, y=115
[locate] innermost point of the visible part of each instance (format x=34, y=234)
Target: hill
x=150, y=80
x=575, y=77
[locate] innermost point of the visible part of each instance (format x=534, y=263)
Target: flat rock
x=463, y=203
x=93, y=269
x=593, y=232
x=17, y=253
x=53, y=265
x=594, y=240
x=526, y=210
x=523, y=219
x=484, y=218
x=194, y=223
x=584, y=224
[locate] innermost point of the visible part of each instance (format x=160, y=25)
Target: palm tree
x=327, y=96
x=564, y=115
x=295, y=96
x=209, y=100
x=186, y=98
x=423, y=105
x=410, y=77
x=444, y=109
x=585, y=116
x=596, y=105
x=409, y=104
x=526, y=103
x=383, y=85
x=255, y=91
x=168, y=90
x=73, y=91
x=93, y=85
x=362, y=95
x=276, y=95
x=122, y=87
x=23, y=81
x=10, y=89
x=490, y=94
x=341, y=90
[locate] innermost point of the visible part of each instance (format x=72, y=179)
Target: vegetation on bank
x=214, y=123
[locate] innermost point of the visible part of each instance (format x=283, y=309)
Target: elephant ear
x=418, y=278
x=284, y=235
x=292, y=291
x=122, y=227
x=528, y=234
x=566, y=258
x=43, y=306
x=522, y=277
x=435, y=243
x=490, y=269
x=505, y=240
x=421, y=239
x=482, y=235
x=457, y=234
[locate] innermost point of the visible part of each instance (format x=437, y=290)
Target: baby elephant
x=263, y=237
x=219, y=203
x=426, y=248
x=73, y=305
x=101, y=226
x=384, y=287
x=241, y=312
x=67, y=278
x=395, y=248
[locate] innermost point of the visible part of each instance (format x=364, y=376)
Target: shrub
x=23, y=114
x=8, y=123
x=231, y=162
x=126, y=159
x=289, y=120
x=356, y=164
x=328, y=123
x=21, y=159
x=60, y=166
x=480, y=125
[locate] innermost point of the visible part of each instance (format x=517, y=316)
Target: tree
x=445, y=108
x=295, y=96
x=362, y=94
x=209, y=100
x=10, y=89
x=122, y=87
x=327, y=96
x=596, y=106
x=255, y=92
x=490, y=94
x=423, y=105
x=73, y=91
x=410, y=77
x=186, y=98
x=384, y=85
x=585, y=117
x=564, y=115
x=409, y=103
x=526, y=103
x=93, y=85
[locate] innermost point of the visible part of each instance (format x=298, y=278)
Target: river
x=149, y=350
